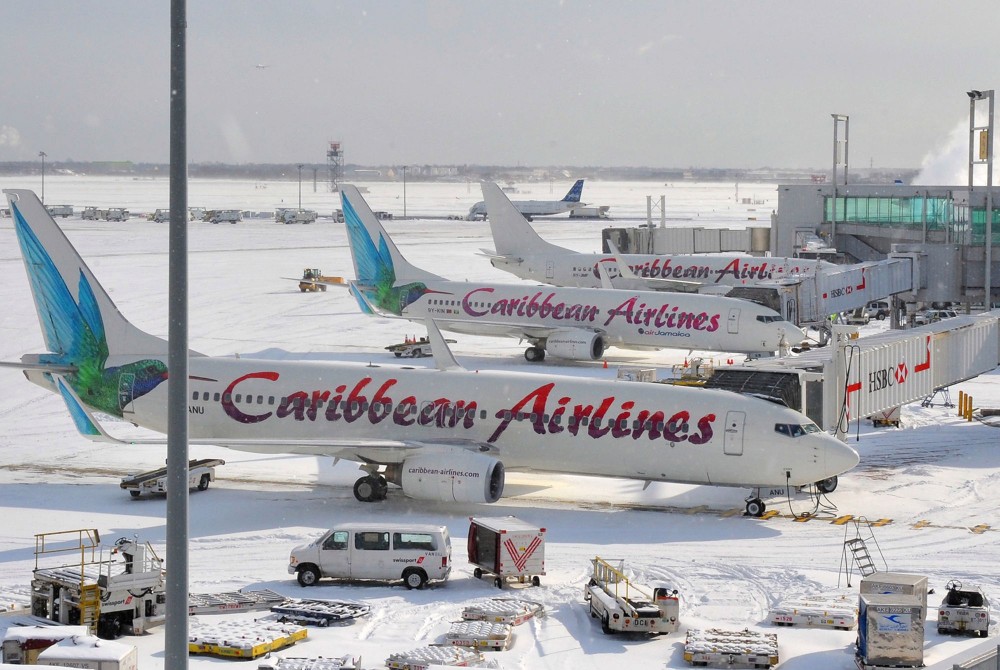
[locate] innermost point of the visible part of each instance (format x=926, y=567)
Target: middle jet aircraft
x=568, y=323
x=522, y=252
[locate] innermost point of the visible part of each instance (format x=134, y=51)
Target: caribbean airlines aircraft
x=570, y=323
x=531, y=208
x=522, y=252
x=441, y=434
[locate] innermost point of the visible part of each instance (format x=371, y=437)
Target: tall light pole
x=404, y=191
x=837, y=160
x=42, y=155
x=984, y=155
x=300, y=166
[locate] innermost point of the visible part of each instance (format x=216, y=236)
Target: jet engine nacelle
x=575, y=344
x=453, y=476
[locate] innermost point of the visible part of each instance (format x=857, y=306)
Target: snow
x=932, y=481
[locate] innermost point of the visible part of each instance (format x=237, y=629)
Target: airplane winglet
x=85, y=422
x=602, y=271
x=443, y=358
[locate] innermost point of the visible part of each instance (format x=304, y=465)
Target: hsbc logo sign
x=887, y=377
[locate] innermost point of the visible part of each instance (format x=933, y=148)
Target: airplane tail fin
x=512, y=234
x=575, y=193
x=80, y=324
x=377, y=261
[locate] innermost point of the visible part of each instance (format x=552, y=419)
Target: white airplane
x=530, y=208
x=445, y=434
x=523, y=253
x=569, y=323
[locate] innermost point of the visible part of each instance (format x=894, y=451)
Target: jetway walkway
x=855, y=378
x=838, y=288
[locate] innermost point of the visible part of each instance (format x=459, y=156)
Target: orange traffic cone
x=605, y=364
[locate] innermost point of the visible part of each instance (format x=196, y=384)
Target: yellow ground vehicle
x=312, y=275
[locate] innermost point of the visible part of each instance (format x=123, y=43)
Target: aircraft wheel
x=534, y=354
x=828, y=485
x=366, y=489
x=756, y=507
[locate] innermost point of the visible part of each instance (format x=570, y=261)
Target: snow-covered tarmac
x=933, y=480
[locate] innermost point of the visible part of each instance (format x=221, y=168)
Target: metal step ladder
x=857, y=550
x=862, y=558
x=90, y=606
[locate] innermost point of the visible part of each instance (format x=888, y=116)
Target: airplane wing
x=629, y=279
x=491, y=254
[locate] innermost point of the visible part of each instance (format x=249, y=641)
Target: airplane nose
x=840, y=457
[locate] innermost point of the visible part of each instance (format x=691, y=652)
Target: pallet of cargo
x=243, y=639
x=320, y=663
x=420, y=658
x=731, y=648
x=319, y=612
x=480, y=635
x=512, y=611
x=229, y=602
x=838, y=612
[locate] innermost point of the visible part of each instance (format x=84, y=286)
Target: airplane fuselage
x=566, y=268
x=639, y=319
x=581, y=426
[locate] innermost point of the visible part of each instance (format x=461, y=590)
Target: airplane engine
x=453, y=476
x=575, y=344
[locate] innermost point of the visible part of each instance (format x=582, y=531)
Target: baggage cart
x=731, y=648
x=242, y=639
x=424, y=657
x=233, y=601
x=838, y=612
x=480, y=635
x=319, y=612
x=342, y=663
x=503, y=610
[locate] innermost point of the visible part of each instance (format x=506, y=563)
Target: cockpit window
x=795, y=430
x=764, y=318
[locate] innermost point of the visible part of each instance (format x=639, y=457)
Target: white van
x=413, y=553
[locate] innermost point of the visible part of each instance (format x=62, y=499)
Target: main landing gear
x=371, y=488
x=534, y=354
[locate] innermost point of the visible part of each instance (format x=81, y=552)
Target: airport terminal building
x=946, y=225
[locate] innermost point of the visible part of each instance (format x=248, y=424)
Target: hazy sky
x=671, y=83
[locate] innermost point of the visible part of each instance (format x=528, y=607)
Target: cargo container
x=896, y=583
x=891, y=630
x=507, y=548
x=23, y=644
x=91, y=653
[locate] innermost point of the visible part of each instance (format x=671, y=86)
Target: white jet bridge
x=853, y=378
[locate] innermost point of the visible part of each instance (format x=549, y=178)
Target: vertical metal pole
x=833, y=211
x=176, y=637
x=42, y=155
x=300, y=186
x=404, y=191
x=847, y=148
x=988, y=276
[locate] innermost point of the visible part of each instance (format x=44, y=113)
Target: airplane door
x=550, y=269
x=125, y=392
x=733, y=444
x=791, y=312
x=734, y=321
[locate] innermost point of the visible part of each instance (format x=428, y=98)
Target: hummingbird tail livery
x=444, y=434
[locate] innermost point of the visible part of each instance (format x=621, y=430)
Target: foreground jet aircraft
x=570, y=323
x=441, y=434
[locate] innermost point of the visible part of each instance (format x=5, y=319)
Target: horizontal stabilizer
x=82, y=417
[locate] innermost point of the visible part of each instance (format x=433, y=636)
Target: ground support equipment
x=731, y=648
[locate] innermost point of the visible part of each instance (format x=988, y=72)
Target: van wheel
x=204, y=482
x=308, y=575
x=414, y=578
